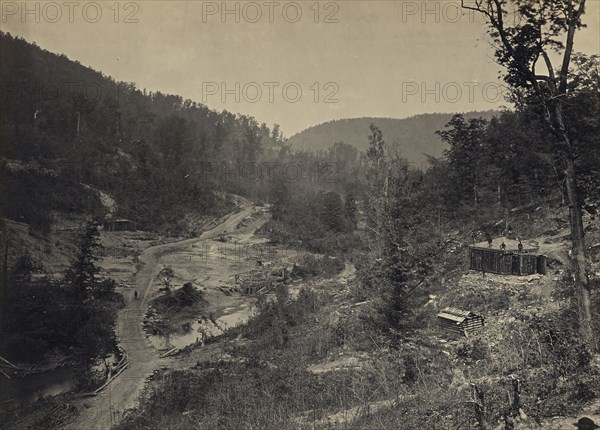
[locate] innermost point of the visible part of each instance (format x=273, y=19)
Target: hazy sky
x=366, y=58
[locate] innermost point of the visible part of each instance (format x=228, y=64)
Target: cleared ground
x=199, y=260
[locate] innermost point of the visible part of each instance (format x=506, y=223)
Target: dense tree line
x=316, y=208
x=73, y=315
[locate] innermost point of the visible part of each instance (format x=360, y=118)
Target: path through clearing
x=106, y=409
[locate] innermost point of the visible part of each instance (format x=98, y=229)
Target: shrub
x=473, y=350
x=311, y=266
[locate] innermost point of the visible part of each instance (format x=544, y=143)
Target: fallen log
x=111, y=379
x=166, y=354
x=121, y=366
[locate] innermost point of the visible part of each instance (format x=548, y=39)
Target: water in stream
x=232, y=317
x=29, y=388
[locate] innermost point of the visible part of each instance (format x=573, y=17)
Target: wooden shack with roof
x=514, y=258
x=457, y=321
x=119, y=224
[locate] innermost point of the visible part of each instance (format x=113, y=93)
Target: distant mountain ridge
x=413, y=136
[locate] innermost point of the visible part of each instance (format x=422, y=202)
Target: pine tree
x=82, y=275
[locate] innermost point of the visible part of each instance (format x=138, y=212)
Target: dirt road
x=106, y=409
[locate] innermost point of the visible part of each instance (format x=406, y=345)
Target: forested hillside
x=159, y=156
x=412, y=138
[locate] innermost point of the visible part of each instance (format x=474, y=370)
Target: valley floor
x=318, y=364
x=328, y=369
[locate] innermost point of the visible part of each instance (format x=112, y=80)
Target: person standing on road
x=135, y=294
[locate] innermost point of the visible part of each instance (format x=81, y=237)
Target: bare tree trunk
x=516, y=403
x=499, y=195
x=480, y=407
x=578, y=262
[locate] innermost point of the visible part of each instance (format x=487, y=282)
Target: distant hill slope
x=414, y=136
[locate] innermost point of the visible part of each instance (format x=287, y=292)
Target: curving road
x=106, y=409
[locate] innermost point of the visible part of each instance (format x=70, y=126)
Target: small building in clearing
x=119, y=224
x=506, y=257
x=457, y=321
